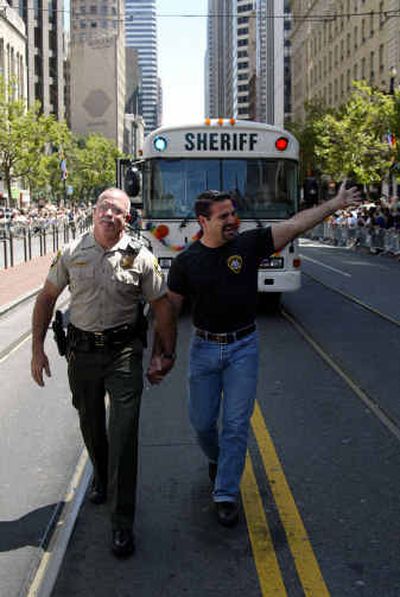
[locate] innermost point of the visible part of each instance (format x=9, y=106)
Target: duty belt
x=228, y=337
x=101, y=339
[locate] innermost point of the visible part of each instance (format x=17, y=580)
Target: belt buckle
x=99, y=339
x=221, y=338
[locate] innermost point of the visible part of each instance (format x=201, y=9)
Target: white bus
x=256, y=162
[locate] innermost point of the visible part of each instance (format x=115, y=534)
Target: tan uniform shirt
x=106, y=284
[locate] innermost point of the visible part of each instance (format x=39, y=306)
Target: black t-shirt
x=222, y=282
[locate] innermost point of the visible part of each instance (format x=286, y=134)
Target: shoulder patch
x=235, y=263
x=157, y=268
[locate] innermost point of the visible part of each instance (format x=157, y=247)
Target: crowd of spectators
x=38, y=218
x=384, y=213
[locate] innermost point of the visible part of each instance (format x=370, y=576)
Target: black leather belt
x=101, y=339
x=228, y=337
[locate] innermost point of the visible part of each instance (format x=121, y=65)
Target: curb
x=25, y=297
x=54, y=544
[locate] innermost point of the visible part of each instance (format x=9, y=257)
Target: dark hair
x=205, y=200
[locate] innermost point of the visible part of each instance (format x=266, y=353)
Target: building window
x=363, y=68
x=381, y=64
x=372, y=65
x=381, y=14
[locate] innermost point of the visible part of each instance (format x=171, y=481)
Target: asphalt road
x=321, y=513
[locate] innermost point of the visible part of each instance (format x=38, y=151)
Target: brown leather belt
x=228, y=337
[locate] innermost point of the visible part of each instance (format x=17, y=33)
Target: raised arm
x=42, y=313
x=284, y=232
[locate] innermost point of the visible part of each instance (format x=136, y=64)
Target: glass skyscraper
x=141, y=34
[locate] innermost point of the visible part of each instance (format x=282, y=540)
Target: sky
x=181, y=50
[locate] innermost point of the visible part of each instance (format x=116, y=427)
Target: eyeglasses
x=104, y=207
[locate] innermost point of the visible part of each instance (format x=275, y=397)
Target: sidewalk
x=22, y=280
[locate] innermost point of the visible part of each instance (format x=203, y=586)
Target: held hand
x=158, y=369
x=38, y=363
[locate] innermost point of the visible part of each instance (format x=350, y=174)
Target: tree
x=24, y=133
x=306, y=133
x=93, y=167
x=353, y=141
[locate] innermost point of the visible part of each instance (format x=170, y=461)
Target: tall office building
x=220, y=84
x=244, y=60
x=45, y=52
x=98, y=68
x=351, y=40
x=141, y=34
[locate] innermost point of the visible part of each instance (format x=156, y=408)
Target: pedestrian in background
x=108, y=274
x=219, y=274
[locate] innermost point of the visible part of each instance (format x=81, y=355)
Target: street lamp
x=393, y=73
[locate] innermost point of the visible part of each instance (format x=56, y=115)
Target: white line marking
x=15, y=348
x=338, y=271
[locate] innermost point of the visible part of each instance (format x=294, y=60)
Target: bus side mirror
x=132, y=182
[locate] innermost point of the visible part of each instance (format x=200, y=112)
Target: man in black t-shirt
x=219, y=274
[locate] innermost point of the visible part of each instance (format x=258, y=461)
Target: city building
x=45, y=53
x=220, y=72
x=244, y=61
x=13, y=51
x=337, y=42
x=97, y=68
x=141, y=34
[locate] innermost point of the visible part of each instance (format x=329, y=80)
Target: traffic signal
x=132, y=181
x=310, y=188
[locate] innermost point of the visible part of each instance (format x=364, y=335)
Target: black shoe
x=97, y=493
x=212, y=471
x=123, y=543
x=227, y=513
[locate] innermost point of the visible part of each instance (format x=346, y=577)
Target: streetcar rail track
x=354, y=300
x=373, y=406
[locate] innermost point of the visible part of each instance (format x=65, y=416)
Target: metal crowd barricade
x=375, y=239
x=37, y=240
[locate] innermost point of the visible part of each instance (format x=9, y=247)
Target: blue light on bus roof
x=160, y=143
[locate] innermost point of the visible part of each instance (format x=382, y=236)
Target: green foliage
x=33, y=145
x=351, y=141
x=93, y=165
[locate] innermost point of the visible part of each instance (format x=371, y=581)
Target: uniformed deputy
x=108, y=273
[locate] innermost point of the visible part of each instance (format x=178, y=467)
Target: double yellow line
x=267, y=565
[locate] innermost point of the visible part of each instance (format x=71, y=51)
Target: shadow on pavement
x=33, y=528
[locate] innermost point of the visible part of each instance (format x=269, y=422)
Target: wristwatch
x=170, y=356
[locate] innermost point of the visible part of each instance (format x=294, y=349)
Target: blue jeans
x=223, y=374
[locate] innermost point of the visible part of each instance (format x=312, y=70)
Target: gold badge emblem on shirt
x=127, y=261
x=235, y=263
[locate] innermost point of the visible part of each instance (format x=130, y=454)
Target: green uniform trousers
x=113, y=448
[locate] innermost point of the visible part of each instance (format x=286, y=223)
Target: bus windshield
x=263, y=188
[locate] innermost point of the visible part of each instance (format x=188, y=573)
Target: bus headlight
x=272, y=263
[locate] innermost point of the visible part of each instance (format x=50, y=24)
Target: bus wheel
x=270, y=301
